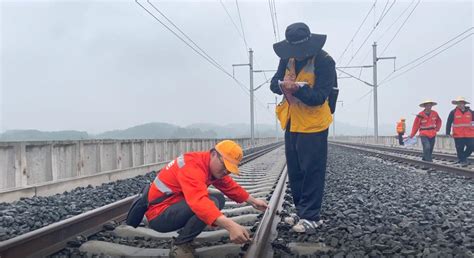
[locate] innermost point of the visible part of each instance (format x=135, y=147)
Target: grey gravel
x=376, y=208
x=29, y=214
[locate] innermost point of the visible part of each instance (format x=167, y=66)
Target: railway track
x=441, y=161
x=413, y=152
x=100, y=231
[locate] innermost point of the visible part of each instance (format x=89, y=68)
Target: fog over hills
x=170, y=131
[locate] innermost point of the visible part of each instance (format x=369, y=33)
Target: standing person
x=306, y=75
x=462, y=120
x=429, y=123
x=185, y=203
x=401, y=130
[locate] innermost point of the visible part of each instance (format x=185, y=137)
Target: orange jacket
x=428, y=125
x=188, y=177
x=463, y=126
x=400, y=127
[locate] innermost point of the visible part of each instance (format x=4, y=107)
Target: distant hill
x=237, y=130
x=36, y=135
x=170, y=131
x=156, y=131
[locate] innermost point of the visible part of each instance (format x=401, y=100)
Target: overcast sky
x=103, y=65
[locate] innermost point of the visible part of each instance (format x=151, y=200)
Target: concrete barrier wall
x=24, y=164
x=442, y=144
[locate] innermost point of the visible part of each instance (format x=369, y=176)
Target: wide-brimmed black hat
x=299, y=42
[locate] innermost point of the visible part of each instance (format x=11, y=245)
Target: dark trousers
x=306, y=155
x=464, y=148
x=180, y=216
x=428, y=146
x=400, y=138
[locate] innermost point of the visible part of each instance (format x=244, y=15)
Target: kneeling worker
x=189, y=206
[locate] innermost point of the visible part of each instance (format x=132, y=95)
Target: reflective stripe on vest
x=180, y=160
x=427, y=127
x=428, y=123
x=463, y=126
x=161, y=186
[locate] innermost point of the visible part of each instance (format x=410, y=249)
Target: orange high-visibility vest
x=400, y=127
x=428, y=125
x=463, y=126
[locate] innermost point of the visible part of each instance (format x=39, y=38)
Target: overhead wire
x=395, y=21
x=355, y=34
x=388, y=79
x=365, y=40
x=203, y=54
x=400, y=28
x=241, y=24
x=270, y=5
x=235, y=26
x=213, y=62
x=245, y=42
x=350, y=75
x=276, y=20
x=184, y=34
x=359, y=98
x=429, y=52
x=388, y=29
x=383, y=33
x=388, y=10
x=385, y=7
x=241, y=33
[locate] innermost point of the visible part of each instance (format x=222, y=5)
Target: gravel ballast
x=375, y=208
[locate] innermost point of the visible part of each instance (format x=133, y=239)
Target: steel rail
x=54, y=237
x=260, y=245
x=450, y=169
x=436, y=155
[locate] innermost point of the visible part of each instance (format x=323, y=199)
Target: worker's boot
x=181, y=251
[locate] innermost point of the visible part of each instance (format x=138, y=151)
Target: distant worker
x=179, y=198
x=306, y=76
x=401, y=127
x=429, y=123
x=462, y=120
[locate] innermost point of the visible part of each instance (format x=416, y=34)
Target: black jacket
x=451, y=119
x=326, y=79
